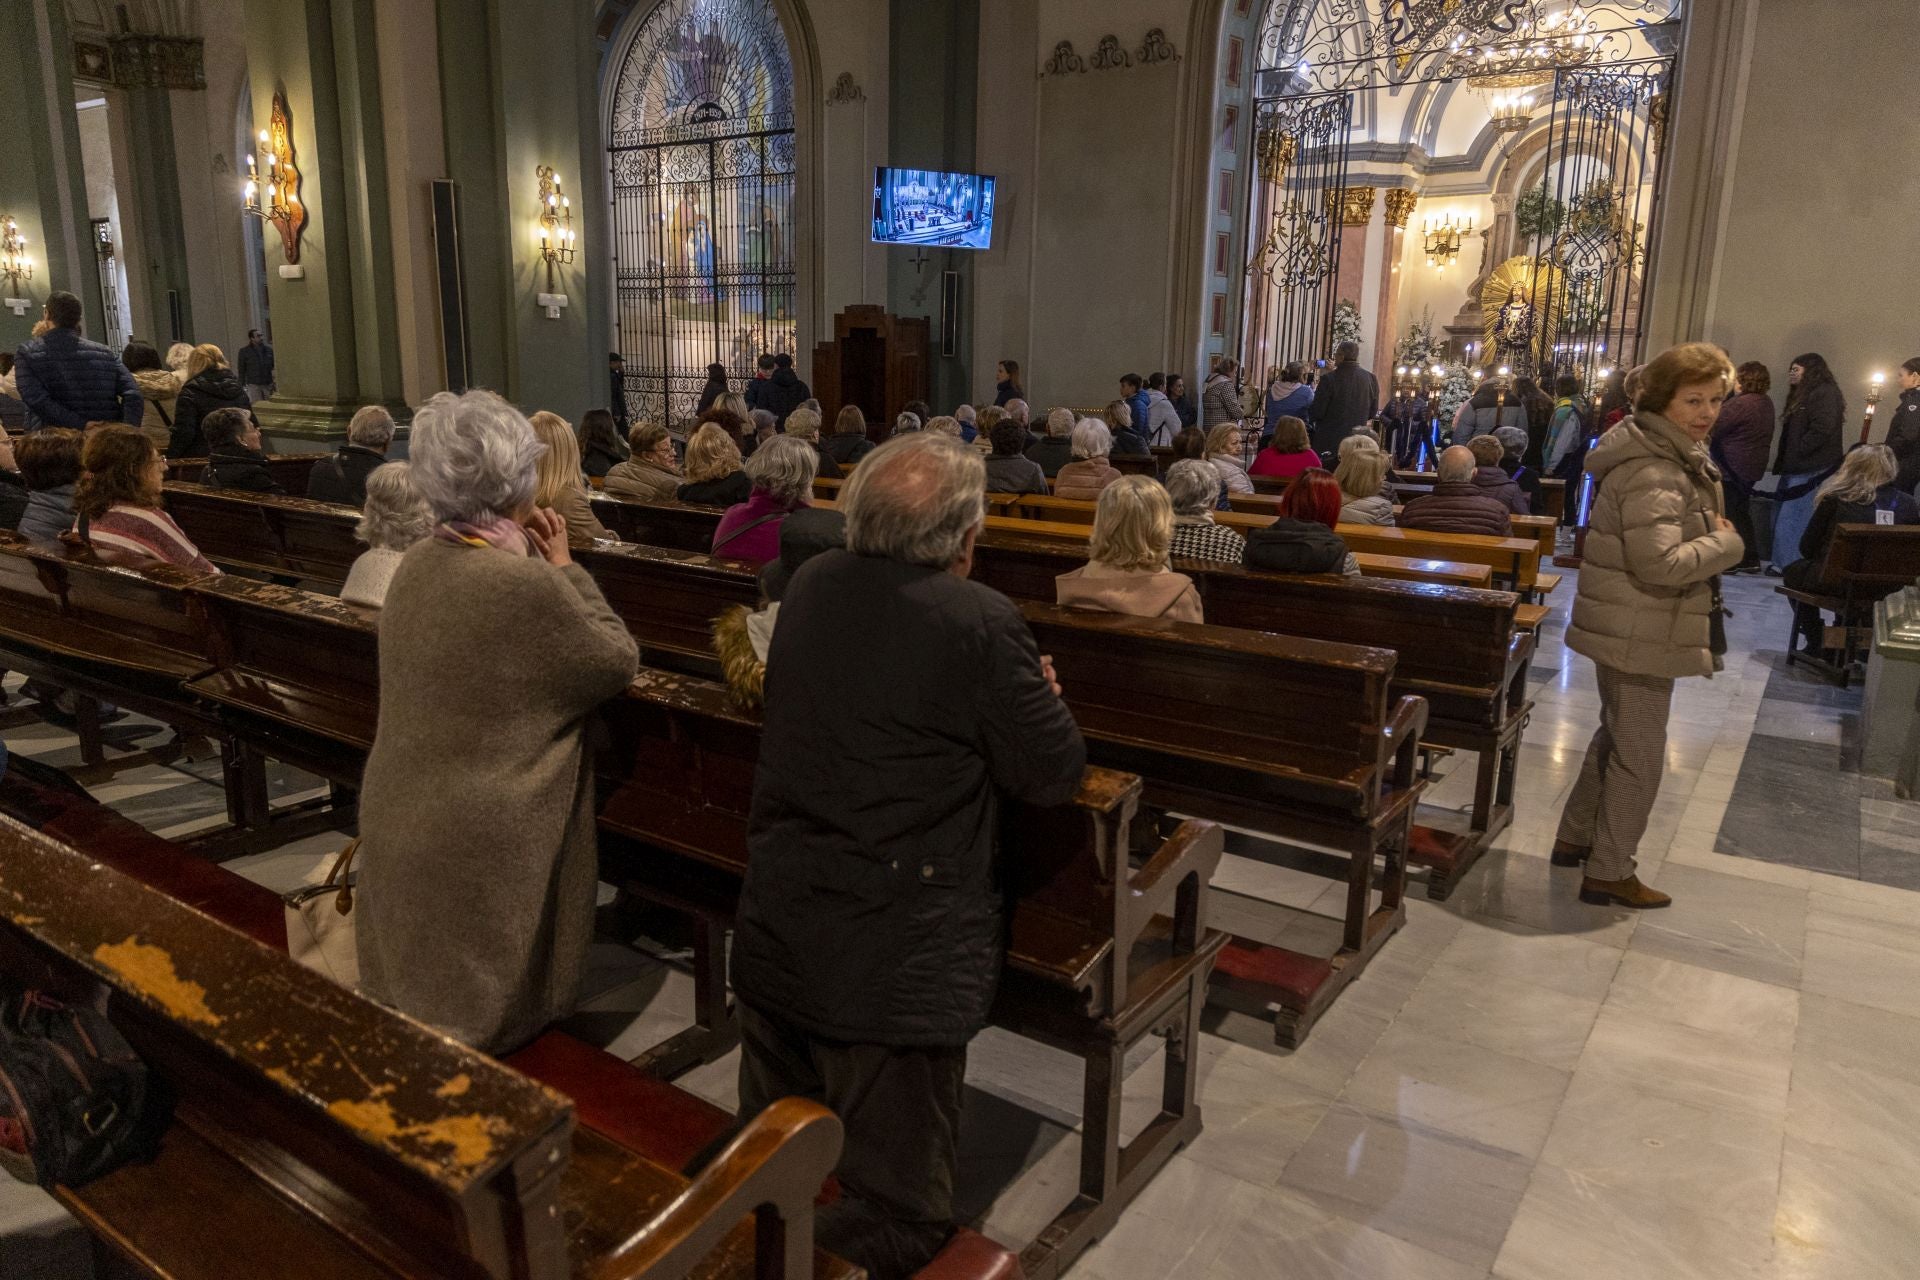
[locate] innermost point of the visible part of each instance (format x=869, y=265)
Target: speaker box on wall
x=452, y=279
x=950, y=313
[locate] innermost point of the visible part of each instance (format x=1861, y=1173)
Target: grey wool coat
x=477, y=856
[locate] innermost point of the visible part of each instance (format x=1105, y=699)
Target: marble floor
x=1520, y=1086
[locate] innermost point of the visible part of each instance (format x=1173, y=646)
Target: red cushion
x=971, y=1256
x=1275, y=973
x=667, y=1125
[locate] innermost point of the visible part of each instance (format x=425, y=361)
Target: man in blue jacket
x=67, y=381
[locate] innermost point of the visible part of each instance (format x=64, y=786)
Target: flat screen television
x=925, y=207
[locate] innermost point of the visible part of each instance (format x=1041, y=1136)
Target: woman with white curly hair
x=477, y=855
x=393, y=518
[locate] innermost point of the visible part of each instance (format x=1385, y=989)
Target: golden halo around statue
x=1535, y=282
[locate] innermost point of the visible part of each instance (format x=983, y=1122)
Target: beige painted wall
x=1791, y=229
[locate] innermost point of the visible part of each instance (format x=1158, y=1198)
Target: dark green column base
x=312, y=422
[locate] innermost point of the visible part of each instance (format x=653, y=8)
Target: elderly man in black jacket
x=1345, y=399
x=67, y=381
x=870, y=934
x=343, y=477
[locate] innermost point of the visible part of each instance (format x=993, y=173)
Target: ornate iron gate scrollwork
x=702, y=165
x=1294, y=251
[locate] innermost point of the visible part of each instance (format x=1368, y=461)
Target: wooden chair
x=1865, y=564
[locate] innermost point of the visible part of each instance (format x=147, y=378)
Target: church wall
x=1811, y=207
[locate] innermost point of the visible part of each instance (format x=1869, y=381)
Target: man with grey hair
x=343, y=477
x=1055, y=449
x=1017, y=411
x=1457, y=504
x=904, y=705
x=964, y=415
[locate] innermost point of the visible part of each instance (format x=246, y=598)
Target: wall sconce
x=556, y=221
x=280, y=184
x=1875, y=386
x=1443, y=239
x=15, y=267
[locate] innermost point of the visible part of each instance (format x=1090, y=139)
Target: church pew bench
x=1540, y=528
x=301, y=671
x=267, y=533
x=336, y=1138
x=1464, y=651
x=1100, y=955
x=125, y=637
x=1865, y=563
x=290, y=471
x=619, y=1100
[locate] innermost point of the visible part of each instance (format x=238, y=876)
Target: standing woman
x=210, y=385
x=476, y=817
x=1742, y=438
x=1648, y=610
x=1903, y=429
x=1009, y=387
x=1809, y=450
x=715, y=388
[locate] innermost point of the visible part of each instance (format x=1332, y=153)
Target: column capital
x=1352, y=205
x=1400, y=202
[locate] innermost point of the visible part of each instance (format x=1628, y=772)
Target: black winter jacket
x=1345, y=399
x=214, y=389
x=1903, y=437
x=67, y=381
x=781, y=394
x=343, y=477
x=1810, y=433
x=871, y=912
x=1295, y=546
x=1052, y=453
x=724, y=492
x=848, y=446
x=235, y=466
x=13, y=499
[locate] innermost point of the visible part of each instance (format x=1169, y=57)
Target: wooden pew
x=125, y=637
x=267, y=533
x=687, y=849
x=290, y=470
x=1865, y=564
x=1540, y=528
x=313, y=1132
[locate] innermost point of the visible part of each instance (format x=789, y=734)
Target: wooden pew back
x=290, y=470
x=1871, y=558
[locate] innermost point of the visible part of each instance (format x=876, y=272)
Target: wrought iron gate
x=1294, y=254
x=1594, y=208
x=702, y=163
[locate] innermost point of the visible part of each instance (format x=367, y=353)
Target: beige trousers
x=1620, y=778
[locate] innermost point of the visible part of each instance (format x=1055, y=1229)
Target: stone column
x=1354, y=207
x=336, y=340
x=42, y=179
x=1399, y=208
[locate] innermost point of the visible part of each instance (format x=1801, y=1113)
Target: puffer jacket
x=158, y=391
x=214, y=388
x=1457, y=506
x=1296, y=546
x=1810, y=433
x=1373, y=510
x=235, y=466
x=1084, y=479
x=67, y=381
x=643, y=480
x=1496, y=483
x=1903, y=437
x=1645, y=600
x=49, y=512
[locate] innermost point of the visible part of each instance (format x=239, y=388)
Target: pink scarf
x=499, y=532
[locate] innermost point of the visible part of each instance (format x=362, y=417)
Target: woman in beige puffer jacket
x=1657, y=541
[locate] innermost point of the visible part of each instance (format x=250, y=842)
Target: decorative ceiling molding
x=1110, y=55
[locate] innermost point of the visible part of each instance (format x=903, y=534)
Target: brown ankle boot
x=1625, y=893
x=1568, y=854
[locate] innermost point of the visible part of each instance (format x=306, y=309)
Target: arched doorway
x=702, y=173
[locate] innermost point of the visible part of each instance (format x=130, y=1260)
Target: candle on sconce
x=1875, y=385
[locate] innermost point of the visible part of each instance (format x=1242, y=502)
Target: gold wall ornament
x=274, y=195
x=15, y=266
x=1400, y=202
x=1352, y=205
x=1277, y=150
x=556, y=222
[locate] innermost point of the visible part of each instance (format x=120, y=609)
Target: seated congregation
x=848, y=823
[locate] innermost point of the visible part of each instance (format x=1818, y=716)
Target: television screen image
x=945, y=210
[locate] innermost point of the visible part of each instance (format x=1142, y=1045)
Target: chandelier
x=1529, y=58
x=1510, y=109
x=15, y=266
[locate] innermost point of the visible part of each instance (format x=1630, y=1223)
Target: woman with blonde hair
x=1360, y=475
x=714, y=477
x=1089, y=473
x=1223, y=451
x=561, y=485
x=210, y=385
x=1862, y=491
x=1127, y=442
x=1126, y=570
x=1647, y=609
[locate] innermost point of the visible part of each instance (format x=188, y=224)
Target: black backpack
x=75, y=1100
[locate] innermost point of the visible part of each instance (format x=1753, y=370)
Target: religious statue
x=1513, y=334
